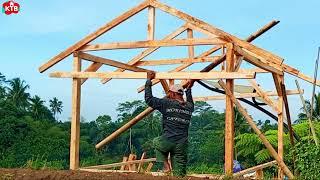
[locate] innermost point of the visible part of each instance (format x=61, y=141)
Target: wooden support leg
x=229, y=121
x=75, y=117
x=280, y=135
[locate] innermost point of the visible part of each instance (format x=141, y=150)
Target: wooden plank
x=264, y=96
x=107, y=166
x=255, y=128
x=110, y=62
x=75, y=117
x=152, y=44
x=141, y=163
x=176, y=61
x=151, y=23
x=147, y=52
x=132, y=167
x=196, y=22
x=108, y=171
x=190, y=48
x=243, y=95
x=159, y=75
x=124, y=159
x=94, y=35
x=92, y=68
x=255, y=168
x=277, y=83
x=229, y=115
x=258, y=62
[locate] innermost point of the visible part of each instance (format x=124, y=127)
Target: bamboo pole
x=255, y=128
x=314, y=135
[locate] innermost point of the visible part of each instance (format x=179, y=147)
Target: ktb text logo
x=10, y=7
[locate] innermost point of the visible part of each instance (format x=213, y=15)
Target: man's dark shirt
x=176, y=116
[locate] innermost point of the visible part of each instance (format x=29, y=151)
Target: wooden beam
x=190, y=48
x=75, y=117
x=107, y=166
x=255, y=168
x=196, y=22
x=165, y=86
x=152, y=44
x=176, y=61
x=147, y=52
x=94, y=35
x=110, y=62
x=124, y=159
x=151, y=23
x=159, y=75
x=243, y=95
x=229, y=115
x=107, y=171
x=264, y=96
x=258, y=62
x=255, y=128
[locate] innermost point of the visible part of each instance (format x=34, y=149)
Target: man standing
x=176, y=116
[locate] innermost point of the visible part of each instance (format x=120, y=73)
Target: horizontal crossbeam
x=159, y=75
x=153, y=43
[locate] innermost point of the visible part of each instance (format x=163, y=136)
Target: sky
x=42, y=29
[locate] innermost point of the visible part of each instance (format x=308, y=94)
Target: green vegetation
x=31, y=136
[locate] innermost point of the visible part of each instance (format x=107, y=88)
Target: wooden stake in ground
x=255, y=128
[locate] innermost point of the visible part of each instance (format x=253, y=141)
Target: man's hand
x=151, y=75
x=190, y=84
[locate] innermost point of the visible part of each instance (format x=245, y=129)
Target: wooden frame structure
x=228, y=51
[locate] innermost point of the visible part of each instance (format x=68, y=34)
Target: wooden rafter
x=159, y=75
x=192, y=20
x=110, y=62
x=94, y=35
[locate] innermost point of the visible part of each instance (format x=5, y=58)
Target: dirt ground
x=28, y=174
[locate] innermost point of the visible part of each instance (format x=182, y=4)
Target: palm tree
x=36, y=107
x=17, y=93
x=56, y=107
x=316, y=108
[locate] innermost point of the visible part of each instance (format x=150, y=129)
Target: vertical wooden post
x=75, y=116
x=223, y=51
x=151, y=23
x=229, y=119
x=280, y=132
x=190, y=48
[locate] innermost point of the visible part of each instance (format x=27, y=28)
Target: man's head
x=176, y=92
